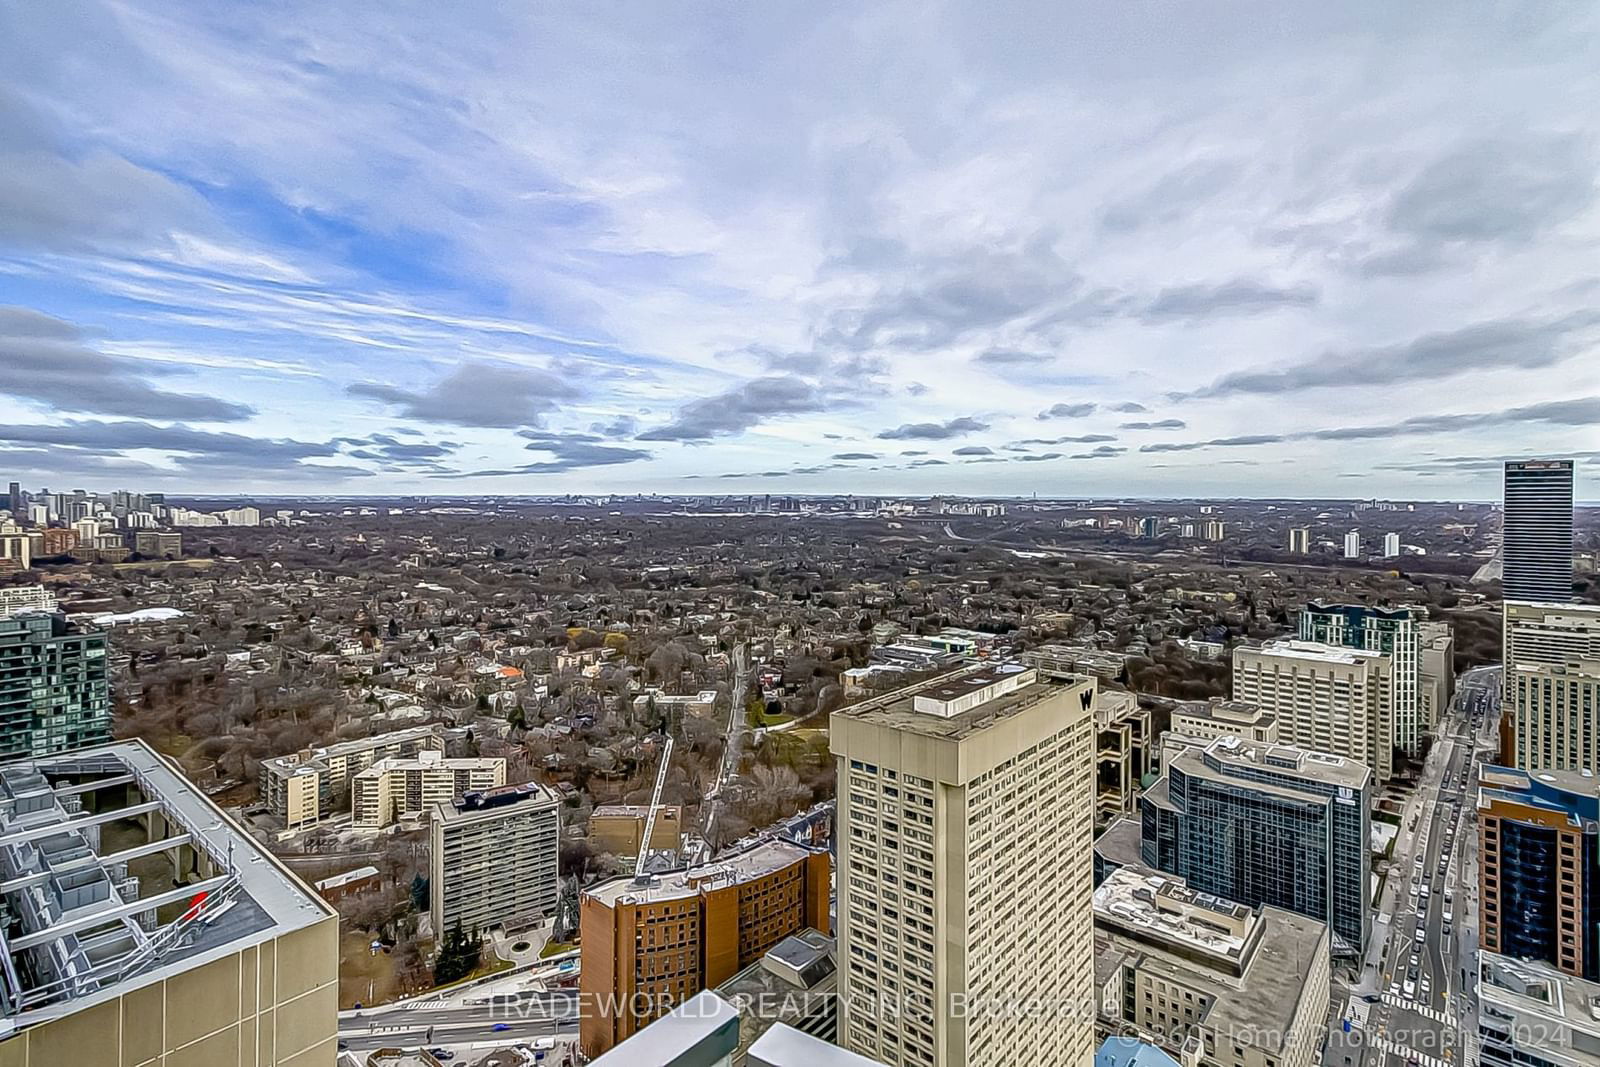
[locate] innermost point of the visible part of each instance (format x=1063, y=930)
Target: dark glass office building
x=54, y=694
x=1266, y=824
x=1539, y=867
x=1536, y=546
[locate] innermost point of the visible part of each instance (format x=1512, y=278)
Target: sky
x=1147, y=249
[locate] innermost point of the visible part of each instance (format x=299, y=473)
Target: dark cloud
x=1128, y=407
x=386, y=447
x=84, y=446
x=1241, y=296
x=477, y=394
x=854, y=455
x=1499, y=345
x=914, y=452
x=122, y=436
x=1580, y=411
x=1080, y=439
x=1040, y=457
x=571, y=451
x=928, y=463
x=1012, y=357
x=43, y=360
x=1066, y=411
x=932, y=302
x=739, y=409
x=1503, y=189
x=56, y=199
x=1160, y=424
x=973, y=450
x=934, y=431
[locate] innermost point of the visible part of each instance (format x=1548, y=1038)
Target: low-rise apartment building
x=306, y=786
x=410, y=786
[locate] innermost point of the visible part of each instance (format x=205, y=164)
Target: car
x=1371, y=998
x=1410, y=987
x=443, y=1055
x=500, y=1028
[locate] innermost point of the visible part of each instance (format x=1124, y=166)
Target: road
x=525, y=1018
x=1412, y=1003
x=730, y=754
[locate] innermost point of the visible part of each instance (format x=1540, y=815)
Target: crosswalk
x=1423, y=1058
x=1427, y=1011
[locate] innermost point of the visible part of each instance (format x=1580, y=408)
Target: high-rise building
x=1392, y=631
x=1436, y=672
x=1300, y=540
x=965, y=824
x=1536, y=545
x=54, y=693
x=1531, y=1015
x=650, y=945
x=1552, y=686
x=1213, y=529
x=1122, y=754
x=17, y=502
x=1266, y=824
x=237, y=964
x=1391, y=545
x=1538, y=867
x=1324, y=697
x=1213, y=981
x=476, y=842
x=1352, y=545
x=16, y=547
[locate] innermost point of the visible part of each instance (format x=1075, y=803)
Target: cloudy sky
x=1146, y=248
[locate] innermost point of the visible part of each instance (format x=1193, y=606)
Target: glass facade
x=1262, y=834
x=54, y=695
x=1391, y=631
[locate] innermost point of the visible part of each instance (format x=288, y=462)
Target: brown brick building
x=648, y=948
x=618, y=828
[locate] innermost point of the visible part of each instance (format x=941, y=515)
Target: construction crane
x=655, y=806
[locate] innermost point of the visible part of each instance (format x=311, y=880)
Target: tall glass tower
x=1536, y=547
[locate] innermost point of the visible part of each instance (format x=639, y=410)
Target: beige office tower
x=1329, y=698
x=145, y=928
x=1552, y=685
x=965, y=895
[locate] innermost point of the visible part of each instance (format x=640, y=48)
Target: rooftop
x=1163, y=908
x=1225, y=711
x=475, y=802
x=762, y=858
x=784, y=1046
x=983, y=696
x=1288, y=760
x=1316, y=652
x=1243, y=988
x=84, y=928
x=1528, y=986
x=700, y=1032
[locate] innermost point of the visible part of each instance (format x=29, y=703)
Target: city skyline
x=900, y=252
